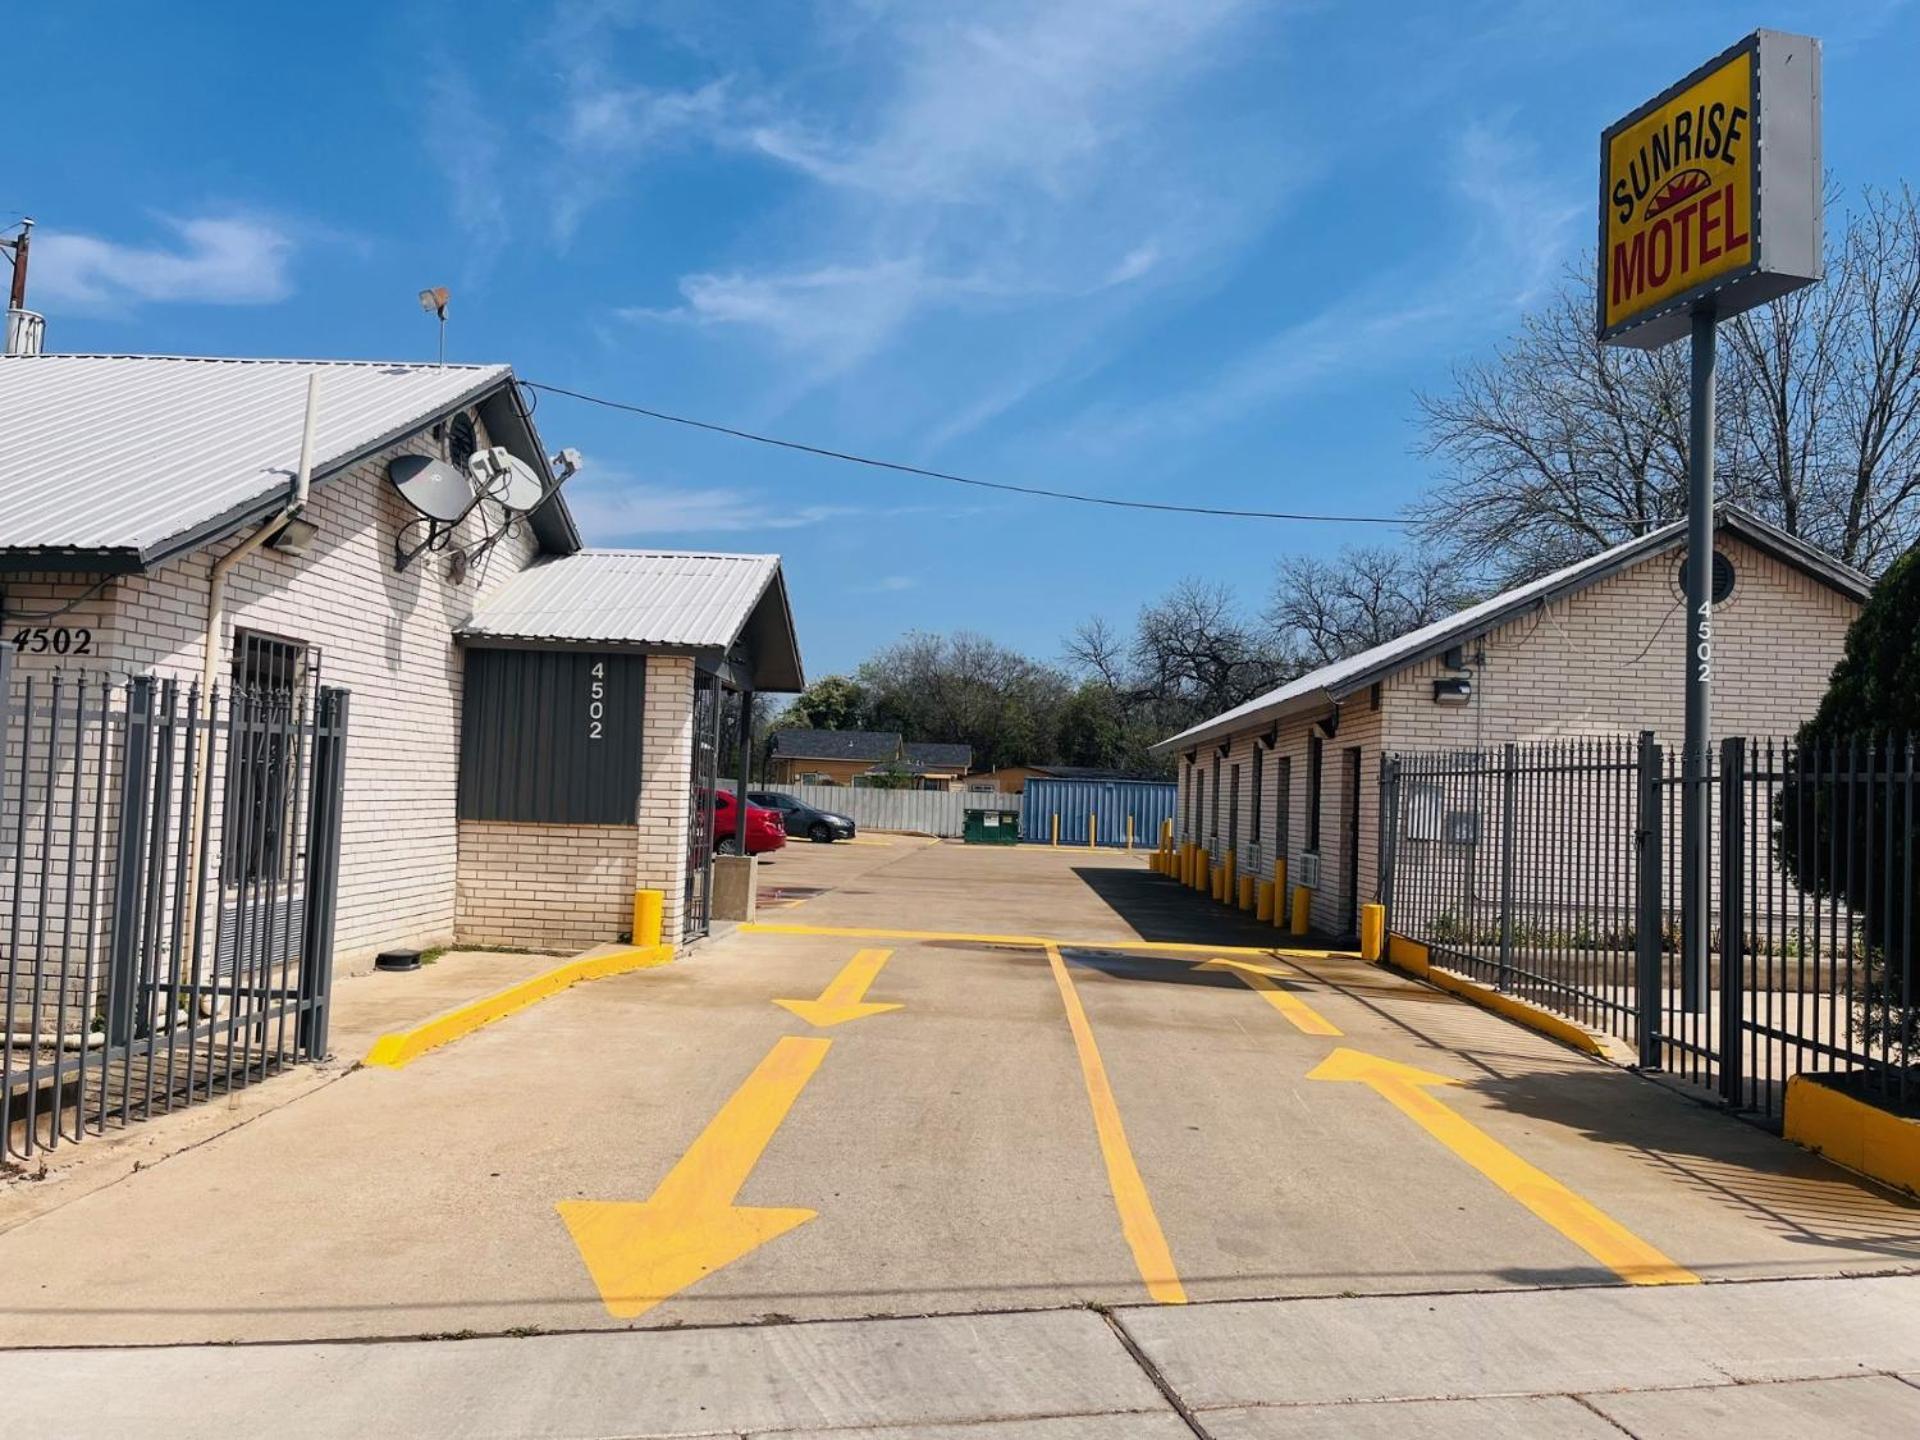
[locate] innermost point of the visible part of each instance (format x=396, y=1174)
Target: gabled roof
x=118, y=462
x=869, y=745
x=938, y=755
x=661, y=600
x=1332, y=683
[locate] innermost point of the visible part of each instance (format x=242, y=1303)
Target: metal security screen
x=133, y=978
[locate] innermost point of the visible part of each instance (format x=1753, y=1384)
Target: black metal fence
x=168, y=869
x=1552, y=871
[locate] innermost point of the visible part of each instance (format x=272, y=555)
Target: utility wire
x=903, y=469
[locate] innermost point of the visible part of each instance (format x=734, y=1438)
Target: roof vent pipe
x=26, y=330
x=216, y=622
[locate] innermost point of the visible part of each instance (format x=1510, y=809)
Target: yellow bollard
x=1227, y=884
x=1373, y=931
x=1280, y=890
x=1216, y=878
x=1246, y=892
x=1166, y=834
x=1263, y=901
x=1056, y=829
x=1129, y=832
x=1092, y=821
x=647, y=908
x=1302, y=910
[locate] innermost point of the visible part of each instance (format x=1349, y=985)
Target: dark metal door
x=1351, y=839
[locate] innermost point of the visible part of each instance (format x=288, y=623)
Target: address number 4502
x=41, y=640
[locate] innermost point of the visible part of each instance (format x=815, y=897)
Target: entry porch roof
x=720, y=607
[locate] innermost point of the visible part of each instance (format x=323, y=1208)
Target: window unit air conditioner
x=1310, y=869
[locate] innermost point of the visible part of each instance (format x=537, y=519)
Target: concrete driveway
x=964, y=1080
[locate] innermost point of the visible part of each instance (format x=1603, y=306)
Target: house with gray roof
x=800, y=756
x=1289, y=782
x=527, y=723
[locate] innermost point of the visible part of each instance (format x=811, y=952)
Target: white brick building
x=124, y=480
x=1595, y=649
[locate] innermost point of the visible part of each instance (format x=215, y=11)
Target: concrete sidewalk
x=1832, y=1357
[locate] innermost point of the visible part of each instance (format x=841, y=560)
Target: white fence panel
x=926, y=812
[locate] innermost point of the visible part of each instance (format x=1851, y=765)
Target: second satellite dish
x=503, y=476
x=433, y=487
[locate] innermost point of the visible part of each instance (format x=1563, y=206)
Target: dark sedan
x=820, y=826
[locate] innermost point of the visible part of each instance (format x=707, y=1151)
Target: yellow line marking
x=1261, y=978
x=640, y=1253
x=1040, y=942
x=843, y=999
x=1599, y=1234
x=1137, y=1221
x=403, y=1047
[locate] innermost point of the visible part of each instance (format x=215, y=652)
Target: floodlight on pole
x=434, y=302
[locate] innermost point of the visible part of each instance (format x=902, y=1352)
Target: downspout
x=210, y=645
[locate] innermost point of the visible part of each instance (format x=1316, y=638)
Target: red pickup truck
x=765, y=829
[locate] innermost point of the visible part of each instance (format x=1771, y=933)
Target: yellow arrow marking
x=841, y=1000
x=1138, y=1223
x=1302, y=1016
x=1604, y=1238
x=640, y=1253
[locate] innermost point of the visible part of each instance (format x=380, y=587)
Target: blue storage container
x=1109, y=802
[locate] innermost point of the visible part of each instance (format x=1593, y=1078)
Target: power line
x=904, y=469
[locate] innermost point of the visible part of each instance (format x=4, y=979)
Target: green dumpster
x=991, y=827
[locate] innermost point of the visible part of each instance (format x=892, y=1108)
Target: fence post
x=1510, y=765
x=326, y=795
x=123, y=955
x=1648, y=910
x=1389, y=830
x=1733, y=919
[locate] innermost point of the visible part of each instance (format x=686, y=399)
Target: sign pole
x=1695, y=777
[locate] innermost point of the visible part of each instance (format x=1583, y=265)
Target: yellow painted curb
x=1850, y=1132
x=1412, y=958
x=403, y=1047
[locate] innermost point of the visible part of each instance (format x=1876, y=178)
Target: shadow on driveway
x=1159, y=909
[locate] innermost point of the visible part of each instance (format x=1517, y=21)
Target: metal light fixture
x=434, y=302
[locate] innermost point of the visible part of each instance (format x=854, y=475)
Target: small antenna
x=434, y=302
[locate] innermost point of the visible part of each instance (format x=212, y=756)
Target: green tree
x=1865, y=724
x=831, y=703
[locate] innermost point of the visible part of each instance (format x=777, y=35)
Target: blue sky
x=1195, y=250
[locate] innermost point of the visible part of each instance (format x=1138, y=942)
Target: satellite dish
x=438, y=491
x=503, y=476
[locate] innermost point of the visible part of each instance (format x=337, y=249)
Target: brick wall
x=1611, y=659
x=559, y=887
x=666, y=774
x=1607, y=660
x=386, y=636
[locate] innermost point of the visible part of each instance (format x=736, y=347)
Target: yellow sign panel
x=1679, y=194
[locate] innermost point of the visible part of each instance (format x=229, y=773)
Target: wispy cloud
x=612, y=511
x=465, y=141
x=887, y=585
x=1004, y=157
x=609, y=128
x=1516, y=231
x=210, y=259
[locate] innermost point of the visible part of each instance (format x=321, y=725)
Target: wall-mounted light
x=296, y=537
x=1453, y=690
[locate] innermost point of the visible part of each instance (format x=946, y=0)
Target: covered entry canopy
x=731, y=610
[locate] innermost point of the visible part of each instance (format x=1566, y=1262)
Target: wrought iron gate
x=697, y=910
x=1552, y=871
x=169, y=864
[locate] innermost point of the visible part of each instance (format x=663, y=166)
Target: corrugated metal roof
x=665, y=599
x=1336, y=681
x=141, y=456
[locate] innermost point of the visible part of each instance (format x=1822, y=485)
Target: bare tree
x=1330, y=609
x=1560, y=446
